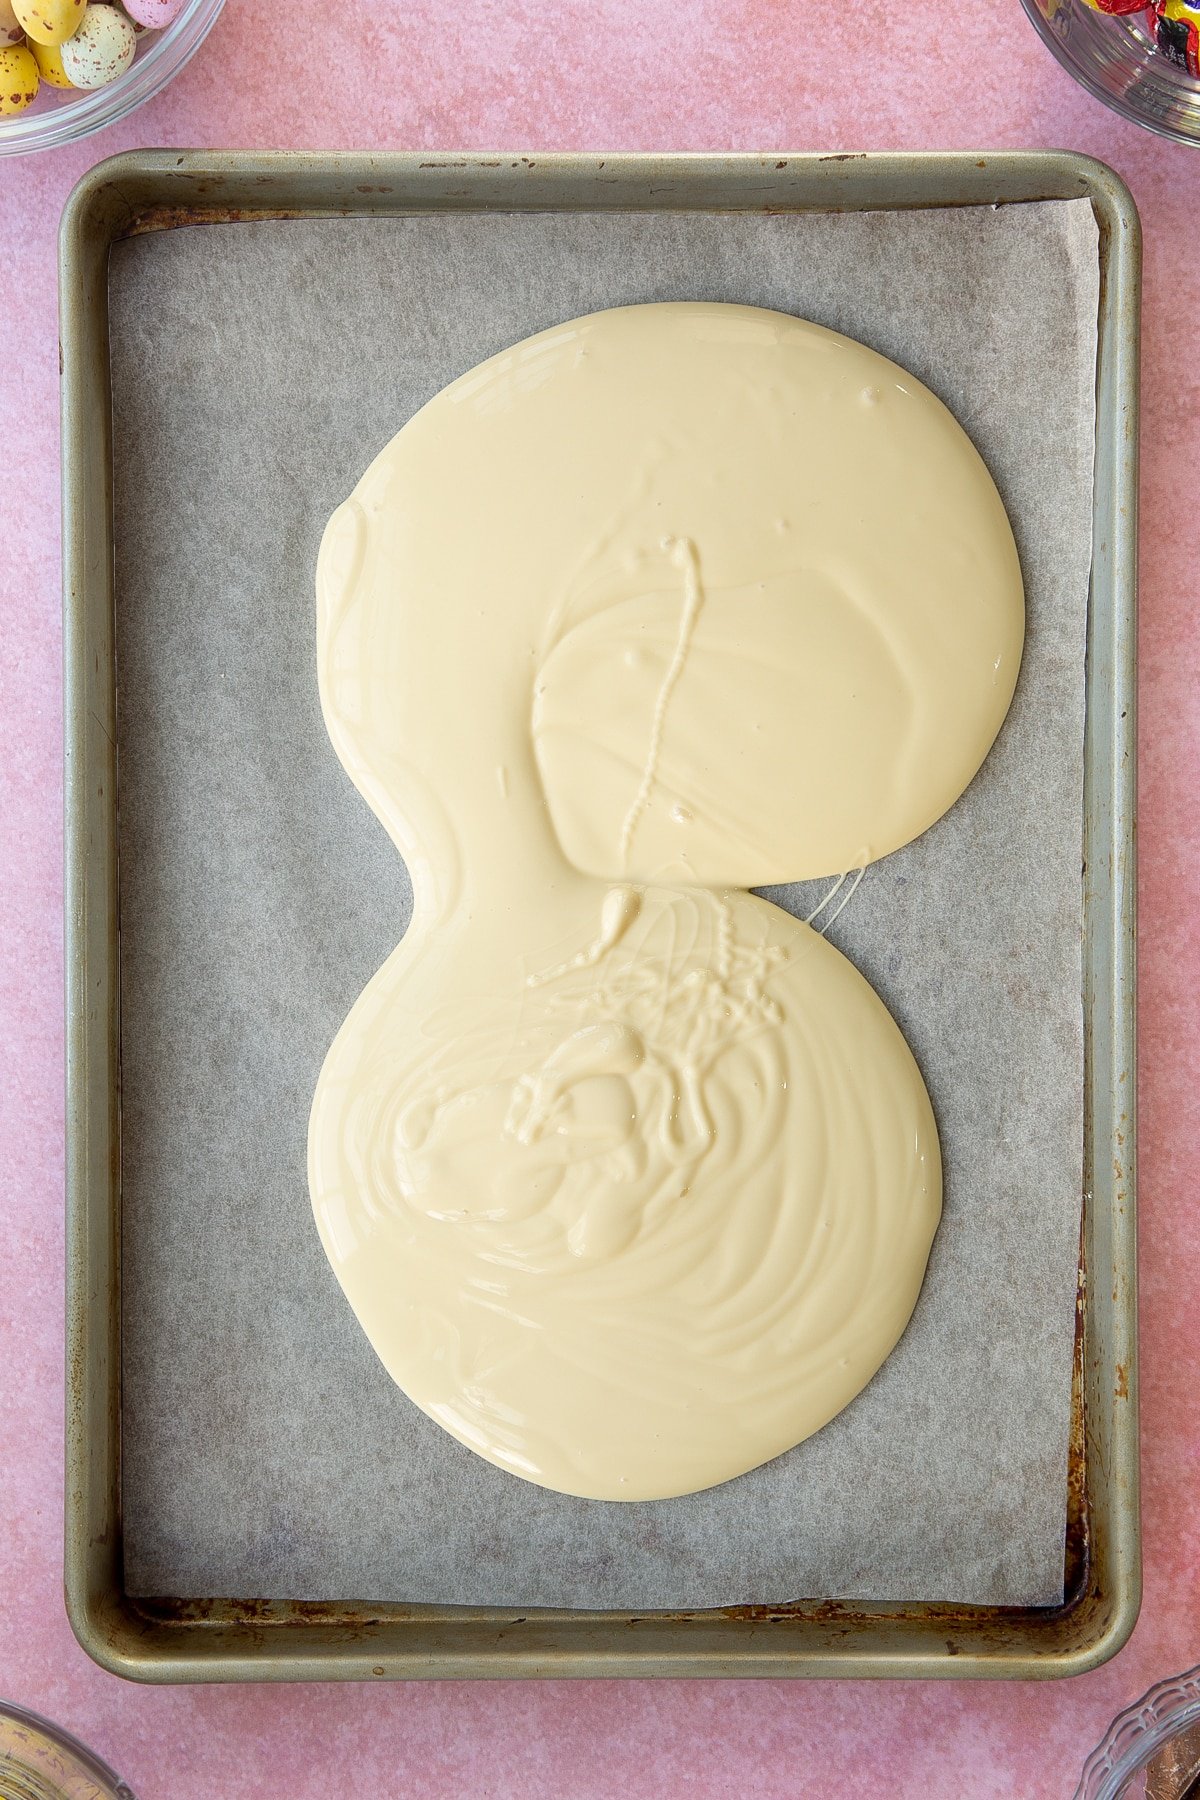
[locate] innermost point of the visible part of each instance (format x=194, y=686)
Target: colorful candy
x=71, y=43
x=101, y=49
x=1175, y=28
x=18, y=79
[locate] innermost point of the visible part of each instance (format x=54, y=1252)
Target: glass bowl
x=59, y=115
x=1152, y=1749
x=39, y=1761
x=1115, y=59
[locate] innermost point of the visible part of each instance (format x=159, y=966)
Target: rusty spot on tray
x=1104, y=234
x=1122, y=1388
x=1078, y=1542
x=172, y=218
x=256, y=1620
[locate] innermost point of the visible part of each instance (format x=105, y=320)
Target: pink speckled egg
x=11, y=29
x=153, y=14
x=101, y=49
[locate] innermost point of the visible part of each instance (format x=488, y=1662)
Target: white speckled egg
x=18, y=78
x=11, y=28
x=153, y=14
x=49, y=21
x=101, y=49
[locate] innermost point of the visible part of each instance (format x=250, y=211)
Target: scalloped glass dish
x=40, y=1761
x=1115, y=59
x=1152, y=1748
x=60, y=116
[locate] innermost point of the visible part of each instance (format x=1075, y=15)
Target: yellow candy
x=49, y=21
x=18, y=79
x=48, y=58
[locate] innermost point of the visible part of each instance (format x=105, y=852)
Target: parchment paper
x=257, y=368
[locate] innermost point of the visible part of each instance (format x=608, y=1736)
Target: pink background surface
x=613, y=74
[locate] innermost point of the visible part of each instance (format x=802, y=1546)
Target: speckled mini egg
x=11, y=28
x=48, y=58
x=49, y=21
x=152, y=15
x=101, y=49
x=18, y=79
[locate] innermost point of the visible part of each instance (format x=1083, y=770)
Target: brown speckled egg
x=18, y=79
x=101, y=49
x=11, y=28
x=49, y=21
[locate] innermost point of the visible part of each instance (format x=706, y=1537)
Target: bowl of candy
x=70, y=67
x=1142, y=60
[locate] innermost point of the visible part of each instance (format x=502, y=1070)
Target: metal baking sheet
x=748, y=169
x=253, y=366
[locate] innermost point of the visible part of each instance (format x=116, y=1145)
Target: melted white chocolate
x=630, y=1177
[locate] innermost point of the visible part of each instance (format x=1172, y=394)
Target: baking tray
x=213, y=1639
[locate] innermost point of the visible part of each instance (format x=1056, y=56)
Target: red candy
x=1175, y=27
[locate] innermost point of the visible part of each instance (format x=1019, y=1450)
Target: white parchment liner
x=257, y=369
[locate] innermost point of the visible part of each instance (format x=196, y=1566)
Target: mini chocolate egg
x=1115, y=6
x=48, y=58
x=152, y=15
x=11, y=28
x=101, y=49
x=18, y=78
x=49, y=21
x=1175, y=27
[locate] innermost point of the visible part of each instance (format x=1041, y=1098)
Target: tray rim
x=223, y=1640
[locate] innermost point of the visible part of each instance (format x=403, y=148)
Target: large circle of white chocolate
x=860, y=622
